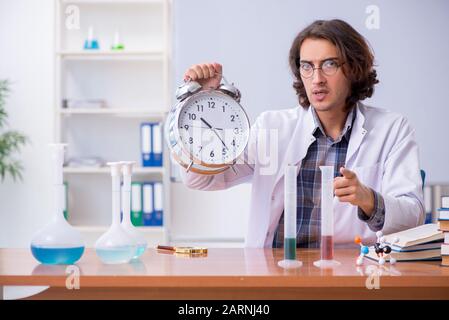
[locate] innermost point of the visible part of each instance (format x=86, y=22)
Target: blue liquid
x=140, y=250
x=57, y=255
x=116, y=255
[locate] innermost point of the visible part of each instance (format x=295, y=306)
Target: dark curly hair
x=353, y=50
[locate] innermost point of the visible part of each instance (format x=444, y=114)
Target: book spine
x=428, y=203
x=445, y=249
x=443, y=214
x=445, y=202
x=443, y=225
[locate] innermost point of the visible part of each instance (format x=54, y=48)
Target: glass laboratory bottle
x=116, y=245
x=126, y=203
x=58, y=242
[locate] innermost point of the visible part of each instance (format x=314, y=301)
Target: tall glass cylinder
x=290, y=219
x=290, y=213
x=327, y=219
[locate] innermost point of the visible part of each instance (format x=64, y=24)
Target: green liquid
x=290, y=248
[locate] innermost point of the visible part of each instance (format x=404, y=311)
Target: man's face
x=325, y=92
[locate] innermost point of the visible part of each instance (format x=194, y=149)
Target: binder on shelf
x=136, y=204
x=145, y=144
x=151, y=144
x=158, y=204
x=157, y=144
x=147, y=196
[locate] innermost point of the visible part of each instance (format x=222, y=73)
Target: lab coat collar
x=357, y=134
x=346, y=128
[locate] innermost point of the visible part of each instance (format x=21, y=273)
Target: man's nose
x=318, y=77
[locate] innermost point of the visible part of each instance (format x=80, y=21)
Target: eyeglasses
x=329, y=67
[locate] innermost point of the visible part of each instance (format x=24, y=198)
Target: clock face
x=213, y=128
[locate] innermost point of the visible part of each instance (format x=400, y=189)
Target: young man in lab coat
x=377, y=181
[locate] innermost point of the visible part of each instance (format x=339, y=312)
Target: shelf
x=156, y=115
x=112, y=1
x=102, y=229
x=134, y=83
x=150, y=55
x=107, y=170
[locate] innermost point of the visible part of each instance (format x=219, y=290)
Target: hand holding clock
x=208, y=75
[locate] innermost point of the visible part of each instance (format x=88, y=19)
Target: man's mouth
x=320, y=94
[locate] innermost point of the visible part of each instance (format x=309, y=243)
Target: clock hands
x=207, y=123
x=215, y=131
x=201, y=127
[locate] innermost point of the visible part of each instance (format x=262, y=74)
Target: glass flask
x=126, y=203
x=116, y=245
x=58, y=242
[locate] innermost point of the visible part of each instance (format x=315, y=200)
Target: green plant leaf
x=10, y=141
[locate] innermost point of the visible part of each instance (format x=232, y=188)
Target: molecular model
x=380, y=247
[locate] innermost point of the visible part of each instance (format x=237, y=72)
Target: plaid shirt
x=324, y=151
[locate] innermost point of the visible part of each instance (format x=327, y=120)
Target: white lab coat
x=382, y=152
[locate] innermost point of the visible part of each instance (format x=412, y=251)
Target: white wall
x=252, y=39
x=26, y=48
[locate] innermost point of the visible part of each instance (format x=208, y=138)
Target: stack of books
x=443, y=222
x=416, y=244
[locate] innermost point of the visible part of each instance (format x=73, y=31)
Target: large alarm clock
x=207, y=130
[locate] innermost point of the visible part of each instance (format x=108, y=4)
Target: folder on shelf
x=145, y=144
x=136, y=204
x=147, y=196
x=158, y=204
x=151, y=144
x=157, y=144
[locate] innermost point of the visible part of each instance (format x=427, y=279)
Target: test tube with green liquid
x=290, y=200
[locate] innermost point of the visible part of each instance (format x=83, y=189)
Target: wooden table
x=227, y=274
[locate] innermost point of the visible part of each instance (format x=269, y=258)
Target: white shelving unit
x=112, y=55
x=135, y=83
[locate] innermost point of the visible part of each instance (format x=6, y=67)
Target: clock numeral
x=211, y=104
x=186, y=126
x=190, y=140
x=223, y=152
x=200, y=108
x=236, y=130
x=192, y=116
x=212, y=154
x=223, y=108
x=232, y=118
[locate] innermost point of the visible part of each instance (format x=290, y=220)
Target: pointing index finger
x=347, y=173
